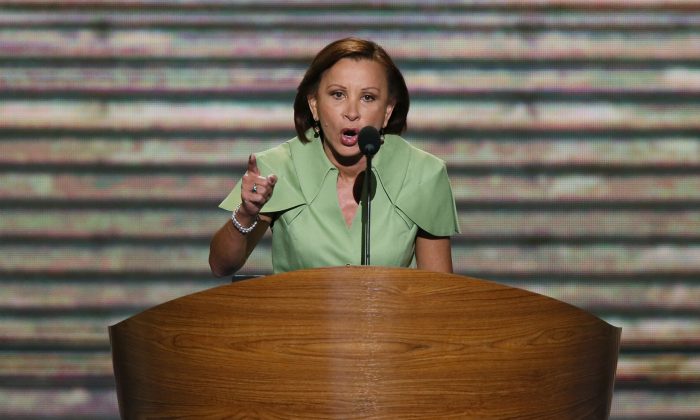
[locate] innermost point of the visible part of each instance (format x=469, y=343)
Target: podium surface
x=364, y=342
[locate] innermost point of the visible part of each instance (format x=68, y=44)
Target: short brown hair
x=358, y=49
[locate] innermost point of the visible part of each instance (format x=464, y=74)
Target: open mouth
x=349, y=136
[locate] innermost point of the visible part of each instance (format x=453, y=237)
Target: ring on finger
x=255, y=188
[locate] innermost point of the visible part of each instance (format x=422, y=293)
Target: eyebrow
x=335, y=85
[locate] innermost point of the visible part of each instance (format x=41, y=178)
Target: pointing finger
x=253, y=165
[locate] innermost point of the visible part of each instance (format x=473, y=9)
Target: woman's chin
x=345, y=155
x=349, y=155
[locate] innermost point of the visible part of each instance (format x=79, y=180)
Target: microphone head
x=369, y=141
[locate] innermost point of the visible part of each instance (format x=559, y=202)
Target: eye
x=337, y=94
x=368, y=98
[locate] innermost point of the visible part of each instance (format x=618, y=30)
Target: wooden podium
x=364, y=342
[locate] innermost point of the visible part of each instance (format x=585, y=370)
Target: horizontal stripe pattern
x=472, y=189
x=465, y=80
x=301, y=45
x=570, y=130
x=594, y=154
x=503, y=225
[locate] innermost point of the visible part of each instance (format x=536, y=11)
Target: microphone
x=369, y=140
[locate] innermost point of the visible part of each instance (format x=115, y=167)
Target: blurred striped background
x=571, y=129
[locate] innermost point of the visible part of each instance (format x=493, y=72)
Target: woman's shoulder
x=424, y=193
x=282, y=149
x=418, y=162
x=277, y=157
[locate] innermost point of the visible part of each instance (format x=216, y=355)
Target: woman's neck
x=348, y=167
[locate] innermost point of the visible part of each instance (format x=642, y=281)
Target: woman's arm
x=230, y=248
x=433, y=253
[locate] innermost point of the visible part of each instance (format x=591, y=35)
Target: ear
x=389, y=109
x=313, y=106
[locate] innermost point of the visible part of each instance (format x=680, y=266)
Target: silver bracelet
x=239, y=226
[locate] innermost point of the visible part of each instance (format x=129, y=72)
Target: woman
x=307, y=189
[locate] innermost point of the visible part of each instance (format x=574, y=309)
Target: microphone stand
x=366, y=210
x=369, y=140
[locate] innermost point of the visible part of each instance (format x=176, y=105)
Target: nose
x=352, y=112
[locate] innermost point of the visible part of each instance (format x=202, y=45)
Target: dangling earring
x=381, y=135
x=317, y=129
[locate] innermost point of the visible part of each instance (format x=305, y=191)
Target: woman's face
x=352, y=94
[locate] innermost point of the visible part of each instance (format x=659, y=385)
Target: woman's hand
x=256, y=190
